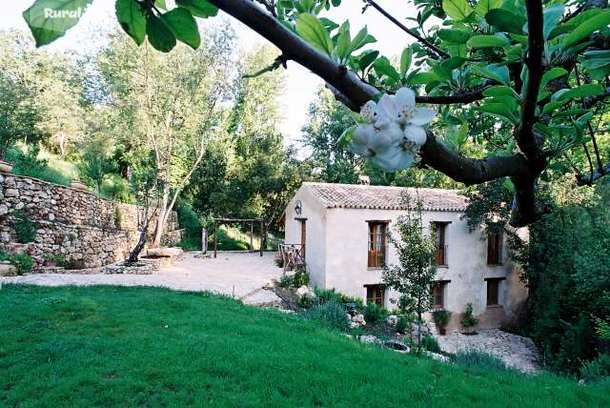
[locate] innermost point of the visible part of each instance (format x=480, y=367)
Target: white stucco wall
x=315, y=240
x=337, y=253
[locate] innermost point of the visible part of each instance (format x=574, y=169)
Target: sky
x=301, y=85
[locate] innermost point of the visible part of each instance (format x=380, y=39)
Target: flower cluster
x=392, y=133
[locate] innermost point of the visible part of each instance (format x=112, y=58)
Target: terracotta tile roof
x=384, y=198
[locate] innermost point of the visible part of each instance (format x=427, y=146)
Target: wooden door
x=303, y=237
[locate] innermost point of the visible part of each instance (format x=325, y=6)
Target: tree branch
x=438, y=52
x=463, y=98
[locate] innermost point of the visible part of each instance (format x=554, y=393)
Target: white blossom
x=392, y=133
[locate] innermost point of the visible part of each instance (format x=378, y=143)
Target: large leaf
x=159, y=34
x=383, y=67
x=496, y=72
x=483, y=6
x=486, y=41
x=551, y=75
x=367, y=58
x=312, y=31
x=457, y=9
x=184, y=26
x=587, y=27
x=361, y=39
x=199, y=8
x=499, y=109
x=50, y=19
x=582, y=91
x=504, y=20
x=552, y=17
x=344, y=43
x=405, y=60
x=132, y=19
x=499, y=91
x=454, y=36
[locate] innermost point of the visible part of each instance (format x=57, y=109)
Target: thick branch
x=438, y=52
x=526, y=139
x=467, y=170
x=587, y=180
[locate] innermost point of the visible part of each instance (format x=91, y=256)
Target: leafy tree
x=171, y=106
x=412, y=277
x=96, y=162
x=41, y=94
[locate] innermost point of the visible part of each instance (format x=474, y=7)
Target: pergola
x=251, y=221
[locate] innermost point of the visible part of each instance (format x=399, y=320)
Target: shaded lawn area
x=117, y=346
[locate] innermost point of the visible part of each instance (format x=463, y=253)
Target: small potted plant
x=5, y=167
x=441, y=319
x=468, y=321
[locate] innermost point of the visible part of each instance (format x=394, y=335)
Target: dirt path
x=233, y=274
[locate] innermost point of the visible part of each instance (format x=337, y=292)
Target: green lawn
x=112, y=346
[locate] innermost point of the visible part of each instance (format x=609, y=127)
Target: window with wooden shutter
x=375, y=294
x=438, y=295
x=493, y=292
x=377, y=244
x=494, y=248
x=440, y=229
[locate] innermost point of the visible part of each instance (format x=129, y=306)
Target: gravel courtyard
x=234, y=274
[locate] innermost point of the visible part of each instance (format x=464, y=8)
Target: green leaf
x=382, y=66
x=500, y=110
x=499, y=91
x=132, y=19
x=367, y=58
x=405, y=60
x=453, y=63
x=585, y=29
x=551, y=106
x=199, y=8
x=50, y=19
x=160, y=4
x=454, y=36
x=184, y=26
x=159, y=34
x=361, y=39
x=496, y=72
x=551, y=75
x=504, y=20
x=483, y=6
x=328, y=24
x=312, y=31
x=583, y=91
x=596, y=59
x=457, y=9
x=344, y=42
x=552, y=17
x=422, y=78
x=486, y=41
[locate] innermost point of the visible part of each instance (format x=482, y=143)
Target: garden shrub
x=286, y=281
x=373, y=313
x=300, y=277
x=402, y=324
x=189, y=221
x=330, y=314
x=21, y=261
x=479, y=360
x=429, y=343
x=24, y=227
x=116, y=188
x=58, y=260
x=441, y=318
x=29, y=165
x=468, y=320
x=596, y=370
x=331, y=295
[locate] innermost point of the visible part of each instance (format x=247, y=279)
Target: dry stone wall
x=88, y=231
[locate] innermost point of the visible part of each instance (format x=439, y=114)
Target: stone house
x=343, y=230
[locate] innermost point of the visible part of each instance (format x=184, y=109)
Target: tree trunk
x=161, y=218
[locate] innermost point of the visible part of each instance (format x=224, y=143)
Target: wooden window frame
x=440, y=257
x=380, y=299
x=494, y=255
x=376, y=259
x=496, y=282
x=441, y=284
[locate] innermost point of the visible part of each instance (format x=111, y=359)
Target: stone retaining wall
x=85, y=229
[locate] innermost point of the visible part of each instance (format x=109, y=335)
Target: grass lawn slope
x=113, y=346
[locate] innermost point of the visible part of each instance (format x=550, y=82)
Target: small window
x=440, y=229
x=375, y=294
x=493, y=292
x=438, y=295
x=377, y=244
x=494, y=248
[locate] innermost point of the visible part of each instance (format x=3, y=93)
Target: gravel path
x=233, y=274
x=516, y=351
